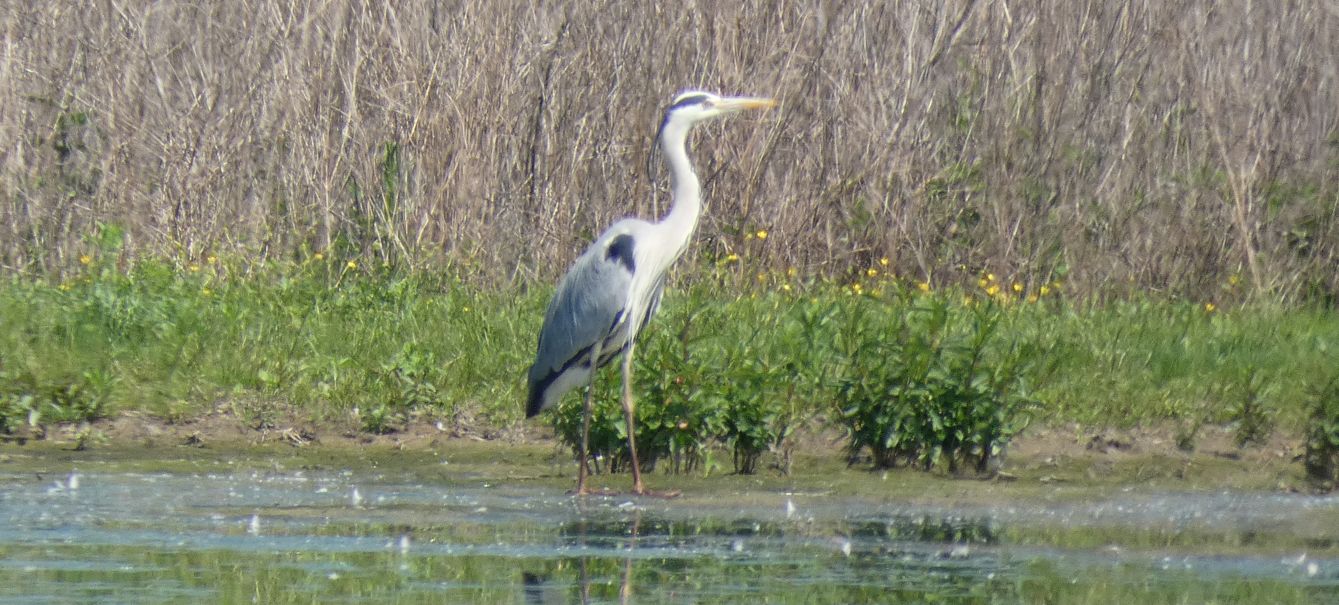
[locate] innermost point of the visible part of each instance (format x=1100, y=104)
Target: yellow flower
x=193, y=268
x=211, y=259
x=791, y=272
x=65, y=287
x=857, y=288
x=762, y=278
x=923, y=286
x=1018, y=287
x=1233, y=279
x=785, y=287
x=465, y=309
x=85, y=259
x=871, y=272
x=1044, y=290
x=1032, y=298
x=1209, y=307
x=732, y=257
x=318, y=256
x=983, y=282
x=990, y=277
x=206, y=291
x=883, y=261
x=993, y=290
x=351, y=265
x=748, y=236
x=762, y=234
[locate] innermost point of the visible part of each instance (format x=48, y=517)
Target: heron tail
x=535, y=404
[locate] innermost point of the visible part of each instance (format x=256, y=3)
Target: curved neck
x=681, y=220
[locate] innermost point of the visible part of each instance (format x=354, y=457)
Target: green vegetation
x=1322, y=433
x=736, y=365
x=927, y=381
x=324, y=337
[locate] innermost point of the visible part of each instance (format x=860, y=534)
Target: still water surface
x=345, y=537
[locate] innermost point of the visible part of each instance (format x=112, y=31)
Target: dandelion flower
x=1233, y=279
x=351, y=265
x=923, y=286
x=762, y=234
x=993, y=290
x=990, y=277
x=318, y=256
x=1209, y=307
x=1044, y=290
x=871, y=272
x=211, y=259
x=857, y=288
x=732, y=257
x=193, y=268
x=85, y=259
x=1018, y=287
x=983, y=282
x=883, y=261
x=785, y=287
x=1032, y=298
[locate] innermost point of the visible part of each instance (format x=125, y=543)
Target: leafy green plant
x=412, y=375
x=18, y=410
x=928, y=383
x=771, y=378
x=1249, y=410
x=1322, y=433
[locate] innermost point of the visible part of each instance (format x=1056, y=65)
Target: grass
x=324, y=335
x=737, y=359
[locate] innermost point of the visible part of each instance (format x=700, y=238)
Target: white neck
x=677, y=226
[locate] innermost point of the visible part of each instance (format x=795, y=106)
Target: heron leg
x=630, y=419
x=583, y=465
x=583, y=462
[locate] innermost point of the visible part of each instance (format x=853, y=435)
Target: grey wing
x=588, y=308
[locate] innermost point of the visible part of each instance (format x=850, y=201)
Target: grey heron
x=613, y=289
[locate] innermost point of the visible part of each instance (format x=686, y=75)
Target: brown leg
x=584, y=456
x=630, y=418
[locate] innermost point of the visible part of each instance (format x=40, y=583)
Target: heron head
x=695, y=106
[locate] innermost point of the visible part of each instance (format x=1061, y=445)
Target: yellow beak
x=741, y=103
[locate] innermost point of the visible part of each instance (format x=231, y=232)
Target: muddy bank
x=1048, y=457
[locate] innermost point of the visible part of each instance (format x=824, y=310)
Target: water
x=342, y=537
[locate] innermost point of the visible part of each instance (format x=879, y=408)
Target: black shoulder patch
x=620, y=250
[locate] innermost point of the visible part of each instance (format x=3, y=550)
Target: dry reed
x=1162, y=146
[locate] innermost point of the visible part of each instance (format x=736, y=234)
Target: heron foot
x=644, y=493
